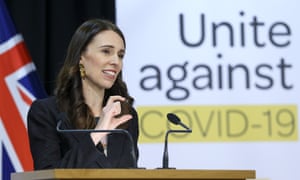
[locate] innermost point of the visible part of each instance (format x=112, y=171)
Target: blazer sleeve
x=46, y=143
x=134, y=130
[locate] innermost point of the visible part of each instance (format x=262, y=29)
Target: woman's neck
x=94, y=99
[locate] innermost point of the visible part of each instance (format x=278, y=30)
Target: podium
x=135, y=174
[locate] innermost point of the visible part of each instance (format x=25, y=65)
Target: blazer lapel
x=115, y=148
x=64, y=124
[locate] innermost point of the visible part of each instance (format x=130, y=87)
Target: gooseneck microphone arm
x=175, y=120
x=117, y=131
x=165, y=163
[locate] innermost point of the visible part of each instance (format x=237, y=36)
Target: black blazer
x=52, y=149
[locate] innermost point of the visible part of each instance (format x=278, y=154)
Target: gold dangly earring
x=82, y=71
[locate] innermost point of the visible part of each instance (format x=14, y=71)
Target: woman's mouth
x=110, y=74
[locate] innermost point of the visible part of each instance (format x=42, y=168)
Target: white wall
x=265, y=41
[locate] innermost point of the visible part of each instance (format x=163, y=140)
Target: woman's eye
x=106, y=51
x=121, y=55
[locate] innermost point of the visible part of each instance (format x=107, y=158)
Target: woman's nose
x=115, y=59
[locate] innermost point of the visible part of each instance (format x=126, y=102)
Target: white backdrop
x=229, y=69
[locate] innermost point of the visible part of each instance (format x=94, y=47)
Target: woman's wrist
x=96, y=137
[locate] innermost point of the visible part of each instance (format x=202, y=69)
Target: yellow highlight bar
x=220, y=123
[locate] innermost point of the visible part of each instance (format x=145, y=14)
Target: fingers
x=113, y=108
x=117, y=104
x=114, y=123
x=123, y=119
x=112, y=116
x=113, y=99
x=113, y=112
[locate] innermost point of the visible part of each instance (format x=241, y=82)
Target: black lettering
x=255, y=25
x=240, y=116
x=148, y=116
x=182, y=32
x=242, y=27
x=237, y=67
x=204, y=130
x=177, y=92
x=230, y=32
x=286, y=32
x=260, y=73
x=282, y=66
x=156, y=78
x=207, y=76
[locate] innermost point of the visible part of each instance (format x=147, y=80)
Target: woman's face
x=102, y=59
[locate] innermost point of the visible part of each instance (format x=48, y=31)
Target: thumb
x=123, y=119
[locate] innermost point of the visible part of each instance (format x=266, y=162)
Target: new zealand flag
x=19, y=87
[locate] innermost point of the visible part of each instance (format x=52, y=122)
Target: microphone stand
x=118, y=131
x=175, y=120
x=165, y=162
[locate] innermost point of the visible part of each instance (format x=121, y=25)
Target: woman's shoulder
x=43, y=111
x=45, y=103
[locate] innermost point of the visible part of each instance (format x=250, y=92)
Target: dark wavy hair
x=69, y=87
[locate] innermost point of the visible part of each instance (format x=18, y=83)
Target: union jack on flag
x=19, y=87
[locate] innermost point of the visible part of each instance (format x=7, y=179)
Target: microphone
x=117, y=131
x=175, y=120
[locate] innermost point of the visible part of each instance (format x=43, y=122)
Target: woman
x=88, y=95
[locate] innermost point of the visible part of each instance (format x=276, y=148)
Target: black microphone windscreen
x=173, y=118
